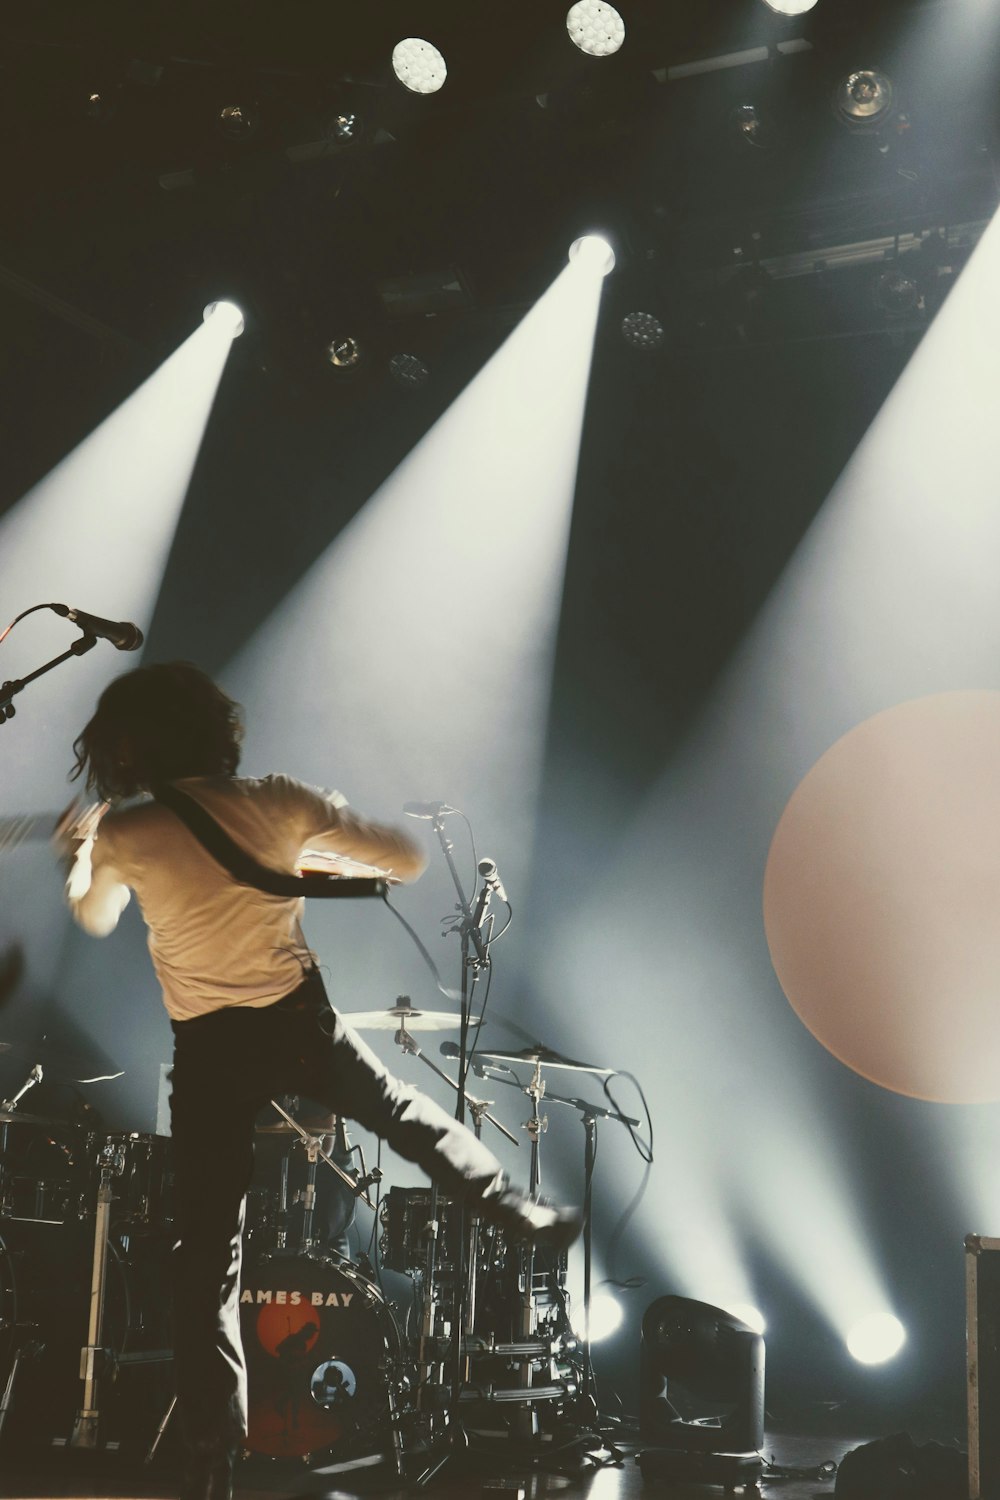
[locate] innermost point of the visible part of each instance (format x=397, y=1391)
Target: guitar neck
x=24, y=828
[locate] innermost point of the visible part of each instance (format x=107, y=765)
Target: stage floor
x=93, y=1477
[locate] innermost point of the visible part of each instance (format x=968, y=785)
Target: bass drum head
x=319, y=1341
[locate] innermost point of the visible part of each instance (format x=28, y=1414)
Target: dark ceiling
x=126, y=212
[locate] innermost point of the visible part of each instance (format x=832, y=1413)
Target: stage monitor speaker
x=701, y=1379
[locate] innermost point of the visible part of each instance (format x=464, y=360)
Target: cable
x=472, y=841
x=646, y=1152
x=447, y=993
x=621, y=1227
x=5, y=633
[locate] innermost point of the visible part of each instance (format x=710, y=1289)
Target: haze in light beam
x=414, y=659
x=95, y=533
x=891, y=596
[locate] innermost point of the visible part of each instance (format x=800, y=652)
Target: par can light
x=876, y=1339
x=227, y=316
x=418, y=65
x=864, y=99
x=592, y=253
x=596, y=28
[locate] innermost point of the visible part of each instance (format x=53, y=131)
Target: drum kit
x=338, y=1374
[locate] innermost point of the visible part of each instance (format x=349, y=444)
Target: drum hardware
x=98, y=1362
x=28, y=1349
x=314, y=1151
x=8, y=1106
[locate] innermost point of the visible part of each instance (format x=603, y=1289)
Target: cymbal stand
x=93, y=1355
x=590, y=1114
x=526, y=1418
x=470, y=928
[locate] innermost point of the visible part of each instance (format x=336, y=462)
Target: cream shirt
x=214, y=942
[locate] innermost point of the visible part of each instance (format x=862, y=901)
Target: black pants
x=227, y=1064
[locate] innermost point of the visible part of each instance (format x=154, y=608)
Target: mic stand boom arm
x=8, y=690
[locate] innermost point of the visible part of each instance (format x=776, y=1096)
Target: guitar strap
x=245, y=869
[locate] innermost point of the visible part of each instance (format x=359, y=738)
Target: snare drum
x=320, y=1346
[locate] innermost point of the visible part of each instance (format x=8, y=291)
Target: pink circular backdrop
x=882, y=898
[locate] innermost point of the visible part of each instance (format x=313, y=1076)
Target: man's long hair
x=158, y=723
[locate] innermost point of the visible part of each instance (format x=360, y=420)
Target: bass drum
x=321, y=1348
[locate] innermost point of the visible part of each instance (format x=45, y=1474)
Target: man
x=249, y=1012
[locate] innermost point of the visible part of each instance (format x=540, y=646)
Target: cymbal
x=543, y=1055
x=17, y=1117
x=282, y=1127
x=402, y=1016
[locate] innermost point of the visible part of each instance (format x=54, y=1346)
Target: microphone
x=121, y=633
x=488, y=870
x=450, y=1049
x=427, y=809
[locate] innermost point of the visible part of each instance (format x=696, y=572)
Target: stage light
x=752, y=127
x=897, y=293
x=606, y=1315
x=408, y=371
x=344, y=353
x=418, y=65
x=236, y=122
x=790, y=7
x=595, y=28
x=592, y=253
x=864, y=99
x=343, y=128
x=642, y=331
x=715, y=1360
x=227, y=316
x=748, y=1314
x=877, y=1338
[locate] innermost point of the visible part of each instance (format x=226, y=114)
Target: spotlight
x=790, y=7
x=418, y=65
x=595, y=28
x=345, y=353
x=227, y=317
x=642, y=331
x=342, y=128
x=606, y=1316
x=714, y=1360
x=896, y=293
x=592, y=253
x=236, y=122
x=751, y=127
x=748, y=1314
x=876, y=1339
x=408, y=371
x=864, y=99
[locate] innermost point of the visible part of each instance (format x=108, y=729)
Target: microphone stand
x=10, y=689
x=470, y=928
x=590, y=1114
